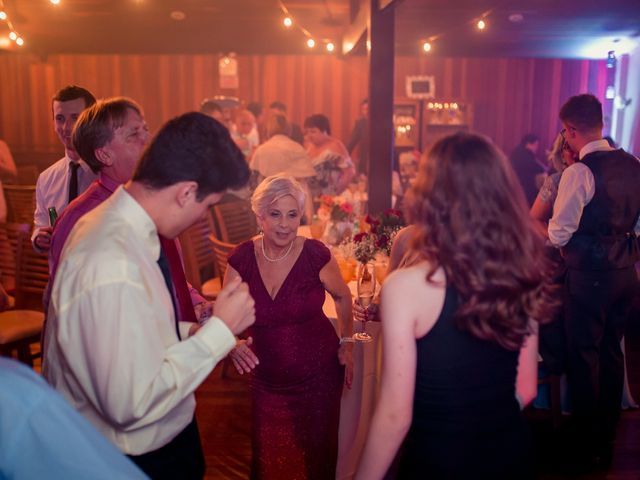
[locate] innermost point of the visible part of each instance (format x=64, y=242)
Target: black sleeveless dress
x=466, y=420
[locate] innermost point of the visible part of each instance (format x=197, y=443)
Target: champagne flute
x=366, y=288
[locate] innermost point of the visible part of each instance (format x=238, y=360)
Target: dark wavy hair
x=193, y=147
x=472, y=220
x=319, y=121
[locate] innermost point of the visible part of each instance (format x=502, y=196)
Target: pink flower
x=347, y=208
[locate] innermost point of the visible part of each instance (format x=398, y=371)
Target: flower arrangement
x=335, y=209
x=379, y=238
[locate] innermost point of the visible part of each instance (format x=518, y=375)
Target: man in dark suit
x=524, y=162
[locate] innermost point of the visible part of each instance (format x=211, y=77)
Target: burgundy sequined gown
x=296, y=389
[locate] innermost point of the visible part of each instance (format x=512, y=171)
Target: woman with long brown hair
x=460, y=328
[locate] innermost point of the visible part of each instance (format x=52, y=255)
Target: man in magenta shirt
x=111, y=136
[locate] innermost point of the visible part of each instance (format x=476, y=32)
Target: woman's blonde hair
x=555, y=155
x=272, y=189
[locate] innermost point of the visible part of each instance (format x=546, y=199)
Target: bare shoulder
x=408, y=294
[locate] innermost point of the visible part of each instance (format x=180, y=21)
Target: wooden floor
x=225, y=428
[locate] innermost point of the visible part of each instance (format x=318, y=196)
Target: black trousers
x=180, y=459
x=596, y=307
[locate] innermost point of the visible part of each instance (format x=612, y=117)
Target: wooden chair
x=20, y=328
x=32, y=276
x=26, y=174
x=235, y=221
x=221, y=250
x=21, y=203
x=9, y=234
x=199, y=258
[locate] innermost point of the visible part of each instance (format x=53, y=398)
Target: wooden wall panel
x=510, y=96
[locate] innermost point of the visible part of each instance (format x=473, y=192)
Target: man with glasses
x=596, y=223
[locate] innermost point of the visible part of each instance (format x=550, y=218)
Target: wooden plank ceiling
x=525, y=28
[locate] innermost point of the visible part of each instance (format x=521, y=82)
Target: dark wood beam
x=359, y=23
x=382, y=4
x=381, y=73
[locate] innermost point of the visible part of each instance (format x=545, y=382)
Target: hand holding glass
x=366, y=289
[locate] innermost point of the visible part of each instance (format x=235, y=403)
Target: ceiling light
x=13, y=36
x=55, y=2
x=426, y=46
x=178, y=15
x=287, y=22
x=19, y=41
x=311, y=43
x=330, y=47
x=3, y=15
x=516, y=17
x=481, y=25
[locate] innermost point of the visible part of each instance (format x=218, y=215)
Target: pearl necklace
x=275, y=259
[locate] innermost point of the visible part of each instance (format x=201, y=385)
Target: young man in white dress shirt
x=63, y=181
x=111, y=345
x=595, y=223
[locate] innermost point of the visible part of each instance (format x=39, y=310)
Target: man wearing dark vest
x=595, y=223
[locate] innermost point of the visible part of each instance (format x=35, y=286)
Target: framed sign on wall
x=421, y=87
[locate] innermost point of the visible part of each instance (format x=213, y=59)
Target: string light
x=288, y=22
x=480, y=23
x=13, y=34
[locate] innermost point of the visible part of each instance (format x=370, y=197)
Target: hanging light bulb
x=13, y=36
x=311, y=43
x=330, y=47
x=287, y=22
x=3, y=15
x=55, y=2
x=481, y=25
x=19, y=41
x=426, y=46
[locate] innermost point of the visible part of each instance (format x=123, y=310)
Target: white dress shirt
x=111, y=347
x=575, y=191
x=52, y=190
x=281, y=154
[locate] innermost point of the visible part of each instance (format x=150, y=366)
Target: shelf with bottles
x=448, y=113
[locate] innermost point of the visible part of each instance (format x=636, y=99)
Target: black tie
x=163, y=263
x=73, y=181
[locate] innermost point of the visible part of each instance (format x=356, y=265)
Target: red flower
x=358, y=237
x=382, y=241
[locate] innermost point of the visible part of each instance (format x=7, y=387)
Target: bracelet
x=347, y=340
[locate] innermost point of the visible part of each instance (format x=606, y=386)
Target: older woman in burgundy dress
x=298, y=363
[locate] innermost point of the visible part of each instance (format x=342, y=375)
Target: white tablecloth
x=358, y=403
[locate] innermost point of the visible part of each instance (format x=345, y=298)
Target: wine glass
x=380, y=268
x=366, y=289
